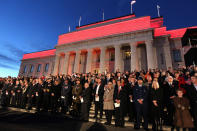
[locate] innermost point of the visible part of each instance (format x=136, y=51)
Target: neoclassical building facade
x=125, y=43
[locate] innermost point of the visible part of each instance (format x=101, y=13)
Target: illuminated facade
x=126, y=43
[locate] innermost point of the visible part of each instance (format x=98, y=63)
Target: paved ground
x=22, y=121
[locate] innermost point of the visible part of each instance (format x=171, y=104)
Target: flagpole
x=132, y=2
x=103, y=15
x=68, y=28
x=79, y=21
x=158, y=11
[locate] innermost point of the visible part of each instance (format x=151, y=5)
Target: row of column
x=118, y=58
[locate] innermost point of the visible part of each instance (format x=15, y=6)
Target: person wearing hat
x=140, y=98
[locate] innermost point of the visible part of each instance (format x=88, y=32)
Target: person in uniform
x=140, y=97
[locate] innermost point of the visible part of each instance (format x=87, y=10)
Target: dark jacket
x=140, y=93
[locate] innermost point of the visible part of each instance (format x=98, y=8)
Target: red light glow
x=39, y=54
x=116, y=28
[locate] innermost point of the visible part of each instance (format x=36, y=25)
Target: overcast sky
x=34, y=25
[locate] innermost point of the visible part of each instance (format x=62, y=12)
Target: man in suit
x=140, y=97
x=130, y=86
x=120, y=98
x=170, y=88
x=85, y=102
x=192, y=91
x=108, y=78
x=98, y=97
x=66, y=96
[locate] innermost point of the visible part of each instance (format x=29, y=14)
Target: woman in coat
x=157, y=99
x=108, y=104
x=182, y=117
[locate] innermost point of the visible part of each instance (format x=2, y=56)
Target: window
x=177, y=55
x=46, y=67
x=112, y=56
x=39, y=67
x=25, y=69
x=162, y=59
x=32, y=68
x=97, y=57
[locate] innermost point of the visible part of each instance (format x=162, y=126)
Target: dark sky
x=33, y=25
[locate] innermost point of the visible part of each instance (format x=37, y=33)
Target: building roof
x=109, y=27
x=106, y=30
x=40, y=54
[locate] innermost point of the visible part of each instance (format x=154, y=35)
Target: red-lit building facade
x=126, y=43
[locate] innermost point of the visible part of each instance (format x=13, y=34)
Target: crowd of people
x=155, y=96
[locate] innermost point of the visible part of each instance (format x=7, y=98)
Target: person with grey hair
x=170, y=88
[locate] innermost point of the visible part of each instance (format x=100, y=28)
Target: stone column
x=77, y=59
x=65, y=63
x=167, y=53
x=102, y=59
x=56, y=66
x=89, y=60
x=133, y=56
x=150, y=56
x=117, y=58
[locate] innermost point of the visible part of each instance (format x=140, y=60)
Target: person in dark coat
x=66, y=96
x=108, y=78
x=157, y=105
x=130, y=86
x=169, y=93
x=25, y=88
x=38, y=94
x=31, y=94
x=140, y=97
x=85, y=102
x=98, y=98
x=46, y=94
x=120, y=100
x=6, y=94
x=55, y=90
x=76, y=92
x=192, y=94
x=18, y=92
x=182, y=117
